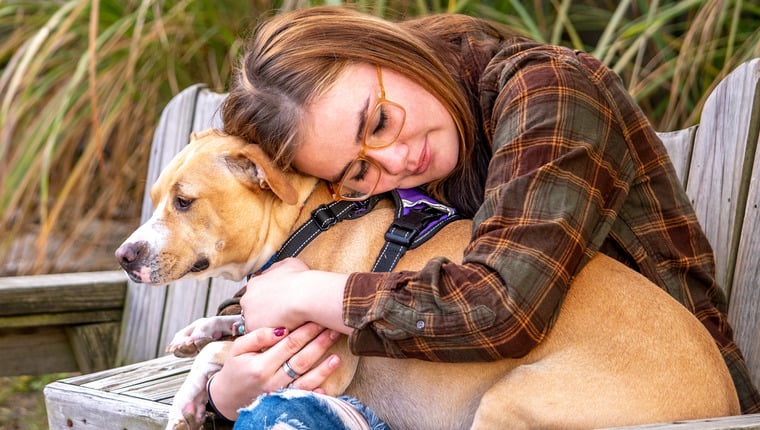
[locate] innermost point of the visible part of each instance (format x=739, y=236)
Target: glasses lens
x=385, y=124
x=360, y=180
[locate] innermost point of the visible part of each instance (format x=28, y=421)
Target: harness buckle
x=405, y=229
x=324, y=217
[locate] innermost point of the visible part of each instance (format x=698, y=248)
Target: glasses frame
x=381, y=100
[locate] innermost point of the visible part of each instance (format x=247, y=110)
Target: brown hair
x=293, y=58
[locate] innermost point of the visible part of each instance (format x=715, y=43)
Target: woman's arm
x=293, y=295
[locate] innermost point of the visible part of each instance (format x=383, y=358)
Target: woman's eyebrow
x=359, y=136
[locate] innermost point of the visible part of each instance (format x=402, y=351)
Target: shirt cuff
x=365, y=300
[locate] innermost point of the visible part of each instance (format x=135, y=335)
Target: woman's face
x=426, y=149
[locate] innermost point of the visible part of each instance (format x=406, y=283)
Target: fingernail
x=333, y=361
x=334, y=334
x=279, y=331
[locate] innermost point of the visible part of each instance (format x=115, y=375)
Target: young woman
x=541, y=145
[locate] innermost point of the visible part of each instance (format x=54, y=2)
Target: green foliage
x=22, y=403
x=83, y=84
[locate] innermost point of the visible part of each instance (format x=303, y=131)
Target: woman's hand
x=255, y=365
x=289, y=294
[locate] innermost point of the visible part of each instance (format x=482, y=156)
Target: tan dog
x=621, y=352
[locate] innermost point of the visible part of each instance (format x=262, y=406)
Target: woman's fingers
x=310, y=354
x=257, y=340
x=314, y=378
x=300, y=363
x=297, y=339
x=302, y=349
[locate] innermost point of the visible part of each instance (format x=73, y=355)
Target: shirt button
x=420, y=324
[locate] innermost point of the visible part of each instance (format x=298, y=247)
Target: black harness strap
x=322, y=218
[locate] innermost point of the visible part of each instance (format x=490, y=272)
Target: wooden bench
x=716, y=161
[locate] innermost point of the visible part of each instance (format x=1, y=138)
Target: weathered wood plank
x=72, y=406
x=131, y=397
x=66, y=292
x=60, y=348
x=679, y=145
x=145, y=304
x=221, y=290
x=188, y=301
x=718, y=165
x=726, y=423
x=94, y=345
x=36, y=351
x=185, y=302
x=744, y=308
x=120, y=378
x=61, y=319
x=46, y=319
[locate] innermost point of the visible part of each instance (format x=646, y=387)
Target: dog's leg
x=191, y=339
x=188, y=409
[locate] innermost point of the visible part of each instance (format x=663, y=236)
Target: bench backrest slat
x=722, y=178
x=718, y=189
x=744, y=307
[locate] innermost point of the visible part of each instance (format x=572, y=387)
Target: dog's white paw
x=191, y=339
x=190, y=418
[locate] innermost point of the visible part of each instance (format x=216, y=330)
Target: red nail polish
x=279, y=331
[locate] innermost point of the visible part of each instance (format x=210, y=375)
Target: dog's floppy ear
x=257, y=168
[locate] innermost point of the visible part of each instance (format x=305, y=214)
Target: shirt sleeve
x=560, y=171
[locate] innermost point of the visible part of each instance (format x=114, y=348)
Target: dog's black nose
x=129, y=253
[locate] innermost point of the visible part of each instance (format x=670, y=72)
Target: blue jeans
x=306, y=410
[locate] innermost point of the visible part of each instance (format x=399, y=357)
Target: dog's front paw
x=178, y=424
x=190, y=418
x=191, y=339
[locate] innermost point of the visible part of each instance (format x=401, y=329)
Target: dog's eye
x=182, y=204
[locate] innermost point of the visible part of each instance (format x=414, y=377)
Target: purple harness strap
x=412, y=199
x=418, y=218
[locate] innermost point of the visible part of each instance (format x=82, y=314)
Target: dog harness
x=417, y=218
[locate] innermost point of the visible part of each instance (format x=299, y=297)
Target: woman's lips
x=424, y=160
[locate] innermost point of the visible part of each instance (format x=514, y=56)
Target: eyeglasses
x=381, y=130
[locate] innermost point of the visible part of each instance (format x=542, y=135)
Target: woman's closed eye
x=358, y=170
x=381, y=121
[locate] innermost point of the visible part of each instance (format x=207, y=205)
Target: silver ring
x=240, y=328
x=289, y=370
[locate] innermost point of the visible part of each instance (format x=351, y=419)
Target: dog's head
x=221, y=208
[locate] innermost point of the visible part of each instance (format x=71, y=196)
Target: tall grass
x=83, y=84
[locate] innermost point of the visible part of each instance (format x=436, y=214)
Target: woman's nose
x=392, y=158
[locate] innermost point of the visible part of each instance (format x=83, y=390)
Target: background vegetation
x=82, y=84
